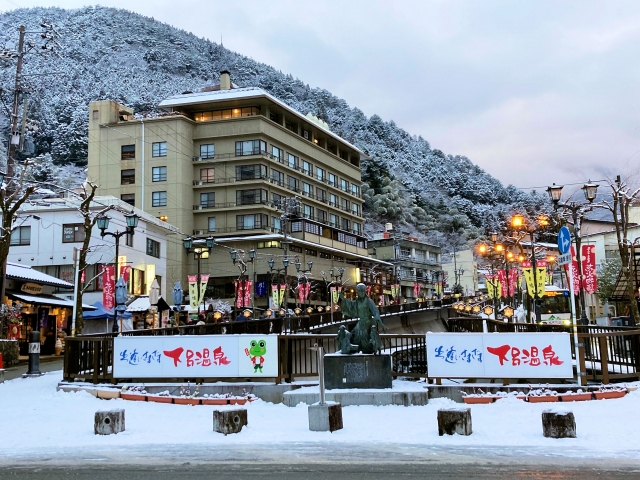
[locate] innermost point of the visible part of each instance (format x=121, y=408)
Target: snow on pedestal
x=558, y=424
x=454, y=420
x=229, y=421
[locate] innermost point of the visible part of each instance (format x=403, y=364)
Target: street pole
x=534, y=305
x=14, y=141
x=574, y=323
x=577, y=228
x=116, y=269
x=76, y=262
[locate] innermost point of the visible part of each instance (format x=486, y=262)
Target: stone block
x=229, y=421
x=325, y=418
x=108, y=422
x=454, y=420
x=357, y=371
x=1, y=375
x=556, y=424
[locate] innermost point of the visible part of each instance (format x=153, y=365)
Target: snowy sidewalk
x=42, y=421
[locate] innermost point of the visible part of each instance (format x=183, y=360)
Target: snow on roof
x=244, y=93
x=49, y=300
x=142, y=304
x=24, y=272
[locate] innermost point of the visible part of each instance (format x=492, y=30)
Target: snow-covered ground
x=42, y=420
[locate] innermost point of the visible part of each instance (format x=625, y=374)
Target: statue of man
x=369, y=320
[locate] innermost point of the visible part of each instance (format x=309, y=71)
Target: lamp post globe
x=103, y=222
x=132, y=220
x=187, y=243
x=590, y=191
x=210, y=242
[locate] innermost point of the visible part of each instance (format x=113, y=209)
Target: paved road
x=49, y=366
x=376, y=471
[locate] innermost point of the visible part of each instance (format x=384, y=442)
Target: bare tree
x=86, y=196
x=622, y=197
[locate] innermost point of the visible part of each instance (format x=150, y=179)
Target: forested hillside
x=115, y=54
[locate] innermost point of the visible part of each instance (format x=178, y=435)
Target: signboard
x=499, y=355
x=564, y=240
x=201, y=356
x=564, y=259
x=33, y=288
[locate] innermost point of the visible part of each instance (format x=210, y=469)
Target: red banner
x=590, y=281
x=125, y=272
x=513, y=282
x=502, y=278
x=108, y=287
x=416, y=289
x=575, y=271
x=238, y=293
x=247, y=292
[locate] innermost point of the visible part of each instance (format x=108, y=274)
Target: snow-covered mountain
x=107, y=53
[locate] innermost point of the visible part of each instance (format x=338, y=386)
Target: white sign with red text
x=191, y=356
x=499, y=355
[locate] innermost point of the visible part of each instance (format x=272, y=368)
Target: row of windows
x=75, y=233
x=158, y=149
x=227, y=113
x=128, y=176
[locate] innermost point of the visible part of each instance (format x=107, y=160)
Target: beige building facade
x=219, y=163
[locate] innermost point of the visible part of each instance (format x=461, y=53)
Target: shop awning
x=49, y=300
x=142, y=304
x=25, y=272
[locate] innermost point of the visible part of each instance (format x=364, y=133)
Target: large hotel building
x=219, y=163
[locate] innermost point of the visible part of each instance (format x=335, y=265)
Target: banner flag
x=590, y=281
x=528, y=277
x=541, y=276
x=247, y=292
x=275, y=297
x=502, y=279
x=125, y=272
x=204, y=279
x=334, y=294
x=513, y=282
x=193, y=290
x=108, y=287
x=577, y=284
x=283, y=290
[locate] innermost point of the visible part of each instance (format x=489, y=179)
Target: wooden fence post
x=604, y=359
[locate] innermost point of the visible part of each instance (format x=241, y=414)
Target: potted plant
x=542, y=395
x=577, y=396
x=135, y=393
x=215, y=399
x=162, y=397
x=481, y=397
x=186, y=397
x=605, y=393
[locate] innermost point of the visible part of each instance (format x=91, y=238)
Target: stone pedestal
x=229, y=421
x=454, y=420
x=357, y=371
x=108, y=422
x=557, y=424
x=325, y=418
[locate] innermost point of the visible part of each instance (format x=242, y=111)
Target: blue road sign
x=564, y=240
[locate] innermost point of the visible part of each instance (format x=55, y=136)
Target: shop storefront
x=147, y=316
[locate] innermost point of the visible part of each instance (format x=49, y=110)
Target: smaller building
x=416, y=265
x=461, y=268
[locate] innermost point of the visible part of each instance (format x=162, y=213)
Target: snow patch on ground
x=43, y=419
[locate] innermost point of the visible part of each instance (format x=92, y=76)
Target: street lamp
x=335, y=277
x=103, y=223
x=199, y=253
x=576, y=211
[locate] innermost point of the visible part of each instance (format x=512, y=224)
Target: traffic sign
x=564, y=259
x=564, y=240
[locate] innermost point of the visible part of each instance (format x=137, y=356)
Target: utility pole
x=14, y=140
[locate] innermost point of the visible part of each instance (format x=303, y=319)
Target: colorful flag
x=204, y=279
x=577, y=284
x=125, y=272
x=334, y=294
x=502, y=279
x=193, y=290
x=590, y=281
x=275, y=297
x=108, y=287
x=283, y=290
x=247, y=292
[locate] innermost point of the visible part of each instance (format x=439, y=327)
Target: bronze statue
x=365, y=334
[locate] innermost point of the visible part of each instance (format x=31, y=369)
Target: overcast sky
x=532, y=91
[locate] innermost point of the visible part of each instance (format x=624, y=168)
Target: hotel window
x=208, y=200
x=321, y=174
x=159, y=199
x=321, y=194
x=346, y=224
x=250, y=147
x=277, y=177
x=321, y=215
x=334, y=220
x=277, y=153
x=127, y=152
x=73, y=232
x=312, y=228
x=227, y=113
x=357, y=228
x=307, y=168
x=333, y=200
x=128, y=239
x=355, y=190
x=292, y=161
x=96, y=115
x=310, y=252
x=250, y=172
x=333, y=180
x=325, y=255
x=250, y=197
x=270, y=244
x=153, y=248
x=129, y=198
x=211, y=224
x=355, y=209
x=308, y=211
x=250, y=222
x=275, y=223
x=207, y=151
x=159, y=149
x=159, y=174
x=294, y=184
x=127, y=177
x=208, y=175
x=307, y=189
x=276, y=200
x=21, y=236
x=345, y=204
x=344, y=185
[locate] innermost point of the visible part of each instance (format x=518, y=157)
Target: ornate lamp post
x=200, y=250
x=576, y=211
x=335, y=277
x=277, y=273
x=522, y=226
x=495, y=253
x=103, y=224
x=304, y=274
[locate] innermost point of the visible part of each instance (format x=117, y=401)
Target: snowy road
x=49, y=428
